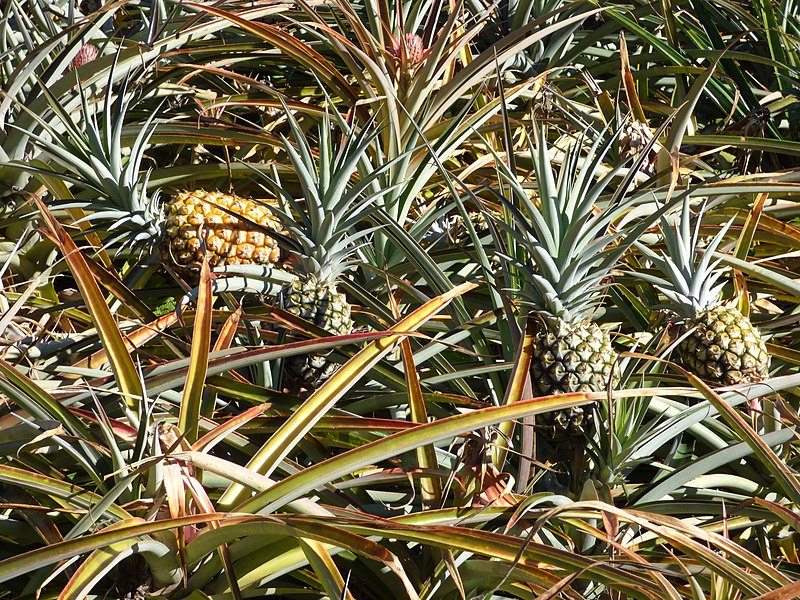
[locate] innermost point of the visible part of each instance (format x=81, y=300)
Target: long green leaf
x=121, y=362
x=406, y=441
x=787, y=478
x=192, y=397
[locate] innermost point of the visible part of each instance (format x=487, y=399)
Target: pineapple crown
x=689, y=284
x=323, y=225
x=564, y=246
x=90, y=151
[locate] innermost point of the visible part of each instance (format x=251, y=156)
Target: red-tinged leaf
x=610, y=536
x=133, y=340
x=326, y=570
x=65, y=493
x=745, y=241
x=787, y=412
x=240, y=358
x=228, y=330
x=120, y=428
x=535, y=558
x=784, y=513
x=216, y=435
x=39, y=520
x=42, y=399
x=224, y=341
x=292, y=527
x=291, y=47
x=131, y=528
x=561, y=587
x=629, y=82
x=518, y=389
x=192, y=397
x=120, y=359
x=776, y=230
x=331, y=469
x=112, y=282
x=452, y=568
x=205, y=505
x=59, y=189
x=160, y=559
x=787, y=592
x=40, y=508
x=175, y=492
x=743, y=245
x=431, y=487
x=347, y=424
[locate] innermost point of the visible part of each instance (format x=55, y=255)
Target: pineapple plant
x=717, y=342
x=226, y=228
x=321, y=227
x=563, y=252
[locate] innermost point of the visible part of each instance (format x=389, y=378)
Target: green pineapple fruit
x=719, y=344
x=322, y=304
x=564, y=253
x=572, y=356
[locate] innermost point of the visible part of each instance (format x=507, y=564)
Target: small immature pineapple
x=86, y=54
x=720, y=345
x=409, y=51
x=415, y=48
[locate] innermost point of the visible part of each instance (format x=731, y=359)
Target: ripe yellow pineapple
x=229, y=229
x=213, y=217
